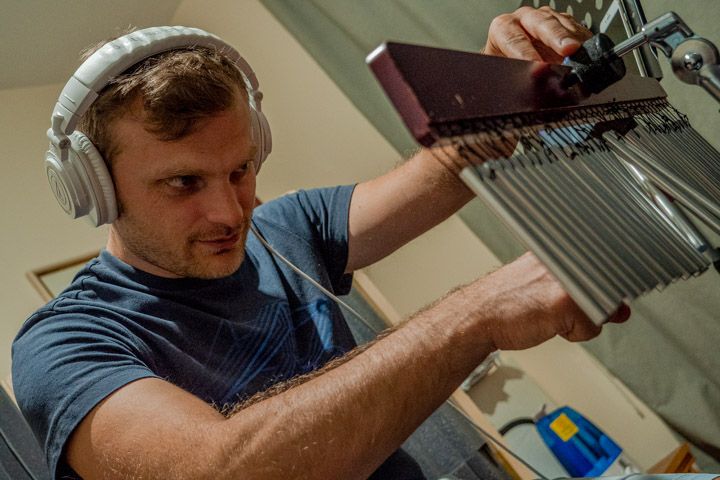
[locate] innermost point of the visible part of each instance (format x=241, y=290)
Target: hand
x=542, y=35
x=526, y=306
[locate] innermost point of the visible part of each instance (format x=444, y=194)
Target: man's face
x=186, y=204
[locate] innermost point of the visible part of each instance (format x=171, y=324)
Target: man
x=186, y=313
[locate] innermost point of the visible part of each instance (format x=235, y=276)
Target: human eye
x=240, y=173
x=184, y=183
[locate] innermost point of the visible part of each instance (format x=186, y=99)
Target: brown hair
x=175, y=89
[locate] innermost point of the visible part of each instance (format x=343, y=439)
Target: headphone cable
x=367, y=324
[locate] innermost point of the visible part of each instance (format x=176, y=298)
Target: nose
x=223, y=206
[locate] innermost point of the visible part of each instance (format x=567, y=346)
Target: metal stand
x=695, y=60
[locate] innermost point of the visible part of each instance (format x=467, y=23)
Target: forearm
x=391, y=210
x=345, y=422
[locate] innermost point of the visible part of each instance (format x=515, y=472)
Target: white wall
x=36, y=232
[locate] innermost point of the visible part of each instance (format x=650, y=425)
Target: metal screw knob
x=693, y=61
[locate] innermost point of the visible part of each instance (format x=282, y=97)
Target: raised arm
x=393, y=209
x=342, y=423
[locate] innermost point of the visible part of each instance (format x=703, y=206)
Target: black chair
x=21, y=458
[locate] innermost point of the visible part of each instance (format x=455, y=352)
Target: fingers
x=580, y=31
x=574, y=324
x=583, y=329
x=535, y=34
x=621, y=315
x=508, y=38
x=558, y=31
x=524, y=305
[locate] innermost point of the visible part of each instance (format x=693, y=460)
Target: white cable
x=372, y=329
x=309, y=278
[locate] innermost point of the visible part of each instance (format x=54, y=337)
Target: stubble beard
x=190, y=259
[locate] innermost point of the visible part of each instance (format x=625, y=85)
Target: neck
x=119, y=249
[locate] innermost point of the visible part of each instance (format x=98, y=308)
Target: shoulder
x=65, y=360
x=85, y=313
x=307, y=205
x=67, y=329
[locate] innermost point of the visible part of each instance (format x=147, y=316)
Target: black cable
x=514, y=423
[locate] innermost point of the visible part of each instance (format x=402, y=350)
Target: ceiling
x=40, y=39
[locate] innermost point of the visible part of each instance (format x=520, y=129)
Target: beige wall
x=36, y=232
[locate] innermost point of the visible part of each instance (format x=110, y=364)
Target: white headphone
x=77, y=173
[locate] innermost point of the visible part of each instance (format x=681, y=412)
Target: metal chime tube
x=585, y=205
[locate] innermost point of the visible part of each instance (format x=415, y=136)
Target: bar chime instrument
x=590, y=182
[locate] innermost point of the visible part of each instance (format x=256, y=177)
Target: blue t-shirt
x=221, y=340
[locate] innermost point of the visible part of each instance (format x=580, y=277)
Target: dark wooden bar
x=431, y=87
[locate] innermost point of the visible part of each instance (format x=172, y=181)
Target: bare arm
x=343, y=423
x=389, y=211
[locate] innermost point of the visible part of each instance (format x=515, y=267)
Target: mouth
x=221, y=243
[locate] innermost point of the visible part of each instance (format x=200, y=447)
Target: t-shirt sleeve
x=321, y=216
x=64, y=364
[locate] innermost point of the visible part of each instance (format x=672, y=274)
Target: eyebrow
x=186, y=172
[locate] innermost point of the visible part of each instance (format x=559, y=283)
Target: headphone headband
x=115, y=57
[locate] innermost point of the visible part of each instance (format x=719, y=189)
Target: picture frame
x=52, y=279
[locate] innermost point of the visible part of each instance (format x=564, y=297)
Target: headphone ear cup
x=98, y=182
x=261, y=136
x=81, y=182
x=64, y=183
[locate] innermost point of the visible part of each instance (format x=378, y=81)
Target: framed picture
x=49, y=281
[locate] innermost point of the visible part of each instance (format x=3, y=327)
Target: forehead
x=222, y=137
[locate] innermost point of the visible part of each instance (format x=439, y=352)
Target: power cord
x=367, y=324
